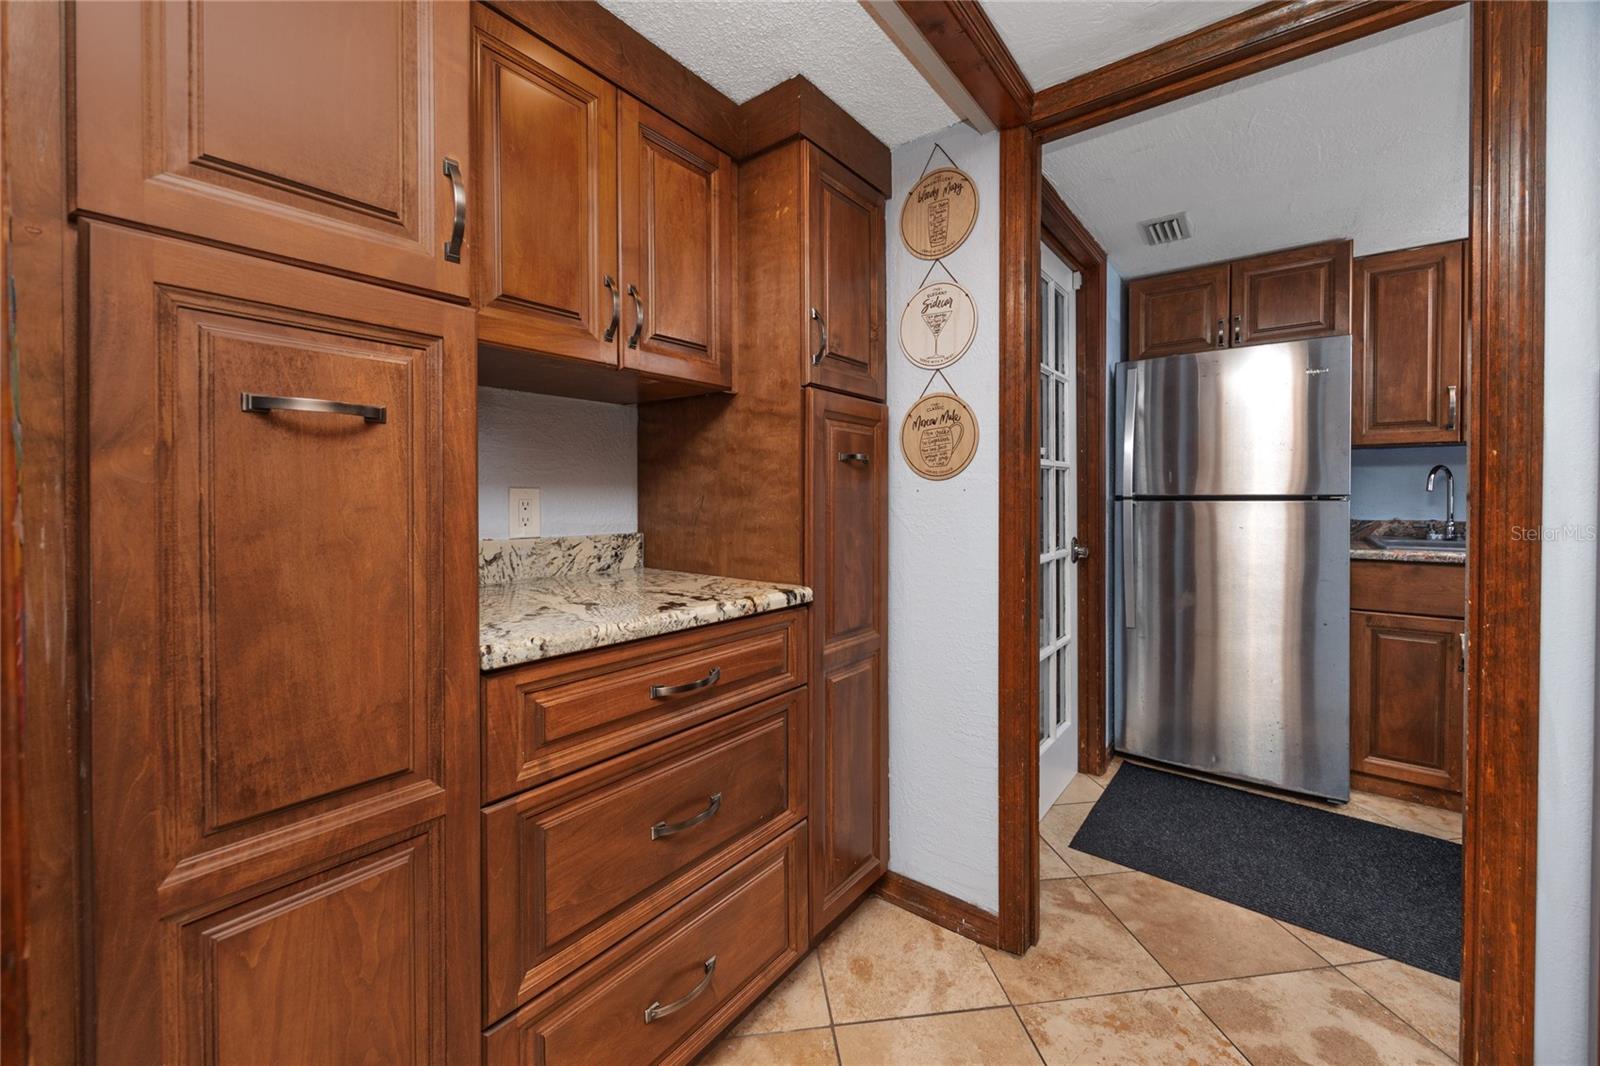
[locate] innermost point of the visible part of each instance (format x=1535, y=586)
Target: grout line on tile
x=924, y=1014
x=1028, y=1033
x=1452, y=1056
x=833, y=1034
x=822, y=975
x=1142, y=946
x=1214, y=1024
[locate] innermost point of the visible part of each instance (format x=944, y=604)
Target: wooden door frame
x=1505, y=434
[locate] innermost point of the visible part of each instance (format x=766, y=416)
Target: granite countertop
x=1362, y=546
x=540, y=597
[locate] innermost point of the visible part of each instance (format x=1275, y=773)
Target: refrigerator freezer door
x=1235, y=639
x=1270, y=420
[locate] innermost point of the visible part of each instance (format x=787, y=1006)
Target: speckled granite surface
x=546, y=596
x=1363, y=547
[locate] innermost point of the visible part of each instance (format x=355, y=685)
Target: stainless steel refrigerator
x=1232, y=572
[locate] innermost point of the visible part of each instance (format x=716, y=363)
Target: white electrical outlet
x=524, y=512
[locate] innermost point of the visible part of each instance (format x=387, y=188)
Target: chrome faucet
x=1450, y=500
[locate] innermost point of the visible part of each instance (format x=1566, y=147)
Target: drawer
x=1437, y=589
x=751, y=920
x=554, y=717
x=574, y=866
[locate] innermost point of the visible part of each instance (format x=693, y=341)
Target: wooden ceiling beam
x=963, y=39
x=1251, y=41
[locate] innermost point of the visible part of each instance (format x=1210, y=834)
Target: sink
x=1459, y=544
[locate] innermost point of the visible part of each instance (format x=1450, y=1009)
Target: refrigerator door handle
x=1130, y=568
x=1132, y=387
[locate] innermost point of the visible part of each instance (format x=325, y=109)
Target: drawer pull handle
x=616, y=309
x=854, y=457
x=663, y=829
x=658, y=691
x=458, y=222
x=259, y=404
x=638, y=316
x=661, y=1010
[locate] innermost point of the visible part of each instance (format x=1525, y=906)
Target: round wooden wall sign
x=939, y=436
x=939, y=213
x=937, y=326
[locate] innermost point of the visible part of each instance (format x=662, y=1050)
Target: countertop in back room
x=540, y=597
x=1362, y=547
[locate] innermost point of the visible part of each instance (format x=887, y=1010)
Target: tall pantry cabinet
x=280, y=559
x=721, y=480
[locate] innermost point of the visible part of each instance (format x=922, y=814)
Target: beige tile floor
x=1130, y=970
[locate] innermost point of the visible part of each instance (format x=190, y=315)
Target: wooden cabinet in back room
x=1285, y=295
x=281, y=582
x=605, y=231
x=1409, y=355
x=331, y=134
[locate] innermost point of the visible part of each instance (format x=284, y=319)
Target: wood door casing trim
x=1505, y=433
x=1069, y=238
x=940, y=908
x=1251, y=41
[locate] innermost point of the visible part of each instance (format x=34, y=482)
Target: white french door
x=1058, y=524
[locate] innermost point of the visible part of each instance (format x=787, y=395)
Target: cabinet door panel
x=1406, y=710
x=1291, y=295
x=340, y=967
x=546, y=228
x=678, y=204
x=848, y=556
x=845, y=252
x=316, y=132
x=1172, y=314
x=1408, y=347
x=272, y=656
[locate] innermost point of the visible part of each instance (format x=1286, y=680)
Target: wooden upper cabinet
x=1170, y=314
x=274, y=734
x=1409, y=350
x=845, y=265
x=313, y=132
x=677, y=219
x=545, y=232
x=1290, y=295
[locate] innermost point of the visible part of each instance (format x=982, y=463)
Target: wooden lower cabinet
x=666, y=992
x=575, y=865
x=1407, y=710
x=281, y=577
x=848, y=545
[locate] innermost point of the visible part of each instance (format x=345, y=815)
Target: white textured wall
x=944, y=572
x=581, y=456
x=1564, y=989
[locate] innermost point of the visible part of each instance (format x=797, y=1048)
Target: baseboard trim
x=940, y=908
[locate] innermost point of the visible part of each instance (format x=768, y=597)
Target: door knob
x=1079, y=552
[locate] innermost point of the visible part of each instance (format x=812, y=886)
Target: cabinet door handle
x=661, y=1010
x=822, y=347
x=1461, y=664
x=638, y=316
x=1222, y=336
x=458, y=192
x=854, y=457
x=616, y=309
x=666, y=829
x=658, y=691
x=1238, y=330
x=1450, y=407
x=261, y=404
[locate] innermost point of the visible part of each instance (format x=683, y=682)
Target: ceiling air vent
x=1166, y=230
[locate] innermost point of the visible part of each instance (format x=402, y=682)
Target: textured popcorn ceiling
x=1368, y=140
x=745, y=47
x=1054, y=40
